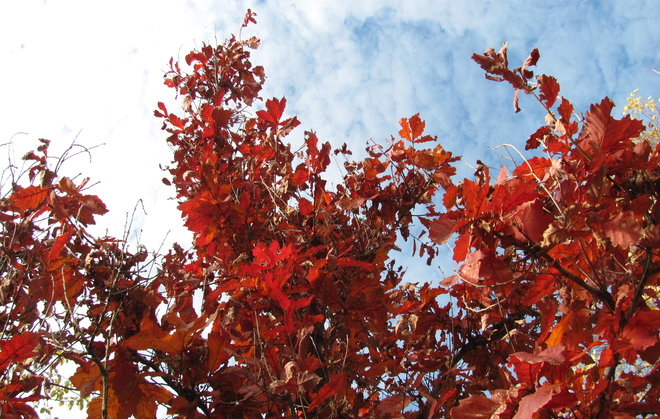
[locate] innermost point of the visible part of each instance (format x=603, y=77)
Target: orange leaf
x=405, y=129
x=411, y=128
x=86, y=378
x=29, y=198
x=416, y=125
x=560, y=330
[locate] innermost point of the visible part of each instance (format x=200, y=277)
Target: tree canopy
x=289, y=302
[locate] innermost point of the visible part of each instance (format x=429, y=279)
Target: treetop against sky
x=289, y=299
x=93, y=72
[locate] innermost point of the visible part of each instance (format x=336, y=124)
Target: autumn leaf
x=641, y=330
x=548, y=395
x=411, y=128
x=441, y=230
x=538, y=137
x=606, y=132
x=474, y=407
x=393, y=406
x=562, y=327
x=531, y=60
x=222, y=116
x=334, y=386
x=305, y=206
x=29, y=198
x=274, y=110
x=549, y=90
x=18, y=348
x=87, y=378
x=565, y=110
x=533, y=219
x=152, y=336
x=623, y=230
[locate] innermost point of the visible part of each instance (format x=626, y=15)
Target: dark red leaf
x=532, y=59
x=334, y=386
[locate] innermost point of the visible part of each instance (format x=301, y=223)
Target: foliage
x=646, y=111
x=289, y=302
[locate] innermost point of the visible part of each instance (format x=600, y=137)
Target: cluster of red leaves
x=289, y=303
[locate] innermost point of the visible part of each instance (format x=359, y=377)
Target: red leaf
x=565, y=110
x=249, y=18
x=393, y=406
x=605, y=131
x=404, y=132
x=411, y=128
x=300, y=176
x=416, y=126
x=539, y=166
x=623, y=230
x=461, y=247
x=17, y=408
x=264, y=115
x=336, y=385
x=535, y=139
x=449, y=198
x=17, y=349
x=176, y=121
x=516, y=107
x=58, y=245
x=221, y=116
x=474, y=407
x=641, y=330
x=532, y=59
x=275, y=109
x=473, y=197
x=216, y=350
x=305, y=206
x=533, y=220
x=86, y=378
x=441, y=230
x=90, y=205
x=553, y=355
x=548, y=395
x=543, y=285
x=549, y=90
x=350, y=262
x=563, y=327
x=162, y=107
x=29, y=198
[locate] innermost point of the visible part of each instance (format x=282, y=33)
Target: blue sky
x=349, y=69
